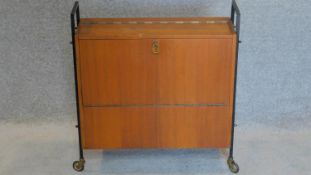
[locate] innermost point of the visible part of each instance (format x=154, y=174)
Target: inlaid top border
x=156, y=22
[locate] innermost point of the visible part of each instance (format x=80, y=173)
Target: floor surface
x=49, y=148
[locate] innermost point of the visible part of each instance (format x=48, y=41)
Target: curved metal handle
x=236, y=18
x=75, y=12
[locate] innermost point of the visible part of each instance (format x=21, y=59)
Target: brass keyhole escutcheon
x=155, y=48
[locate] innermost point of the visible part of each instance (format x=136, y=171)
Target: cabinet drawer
x=149, y=127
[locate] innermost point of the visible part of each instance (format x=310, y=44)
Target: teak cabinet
x=155, y=82
x=179, y=97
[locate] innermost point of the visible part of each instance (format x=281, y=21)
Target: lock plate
x=155, y=48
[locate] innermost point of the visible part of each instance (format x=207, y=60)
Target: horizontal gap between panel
x=157, y=105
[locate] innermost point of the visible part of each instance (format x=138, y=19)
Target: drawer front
x=164, y=127
x=159, y=71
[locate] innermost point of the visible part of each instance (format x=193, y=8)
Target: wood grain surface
x=194, y=71
x=117, y=72
x=138, y=127
x=185, y=71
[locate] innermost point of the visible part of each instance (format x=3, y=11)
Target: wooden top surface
x=140, y=28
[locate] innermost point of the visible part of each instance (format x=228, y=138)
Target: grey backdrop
x=274, y=80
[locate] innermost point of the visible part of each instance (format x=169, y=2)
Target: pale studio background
x=37, y=110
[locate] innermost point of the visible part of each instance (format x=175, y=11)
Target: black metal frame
x=75, y=20
x=235, y=18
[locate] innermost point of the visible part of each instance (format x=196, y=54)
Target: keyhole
x=155, y=47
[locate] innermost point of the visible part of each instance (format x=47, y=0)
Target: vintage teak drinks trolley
x=155, y=82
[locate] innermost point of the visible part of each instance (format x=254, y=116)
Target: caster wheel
x=78, y=165
x=234, y=167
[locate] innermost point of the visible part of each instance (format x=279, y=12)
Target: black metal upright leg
x=75, y=14
x=235, y=18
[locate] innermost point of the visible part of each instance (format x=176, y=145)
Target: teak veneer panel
x=178, y=127
x=117, y=72
x=186, y=71
x=194, y=71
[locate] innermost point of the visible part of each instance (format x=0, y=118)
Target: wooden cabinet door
x=185, y=71
x=194, y=71
x=115, y=72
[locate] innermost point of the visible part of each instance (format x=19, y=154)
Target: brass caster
x=78, y=165
x=234, y=167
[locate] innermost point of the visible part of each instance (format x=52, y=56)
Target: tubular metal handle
x=75, y=12
x=236, y=18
